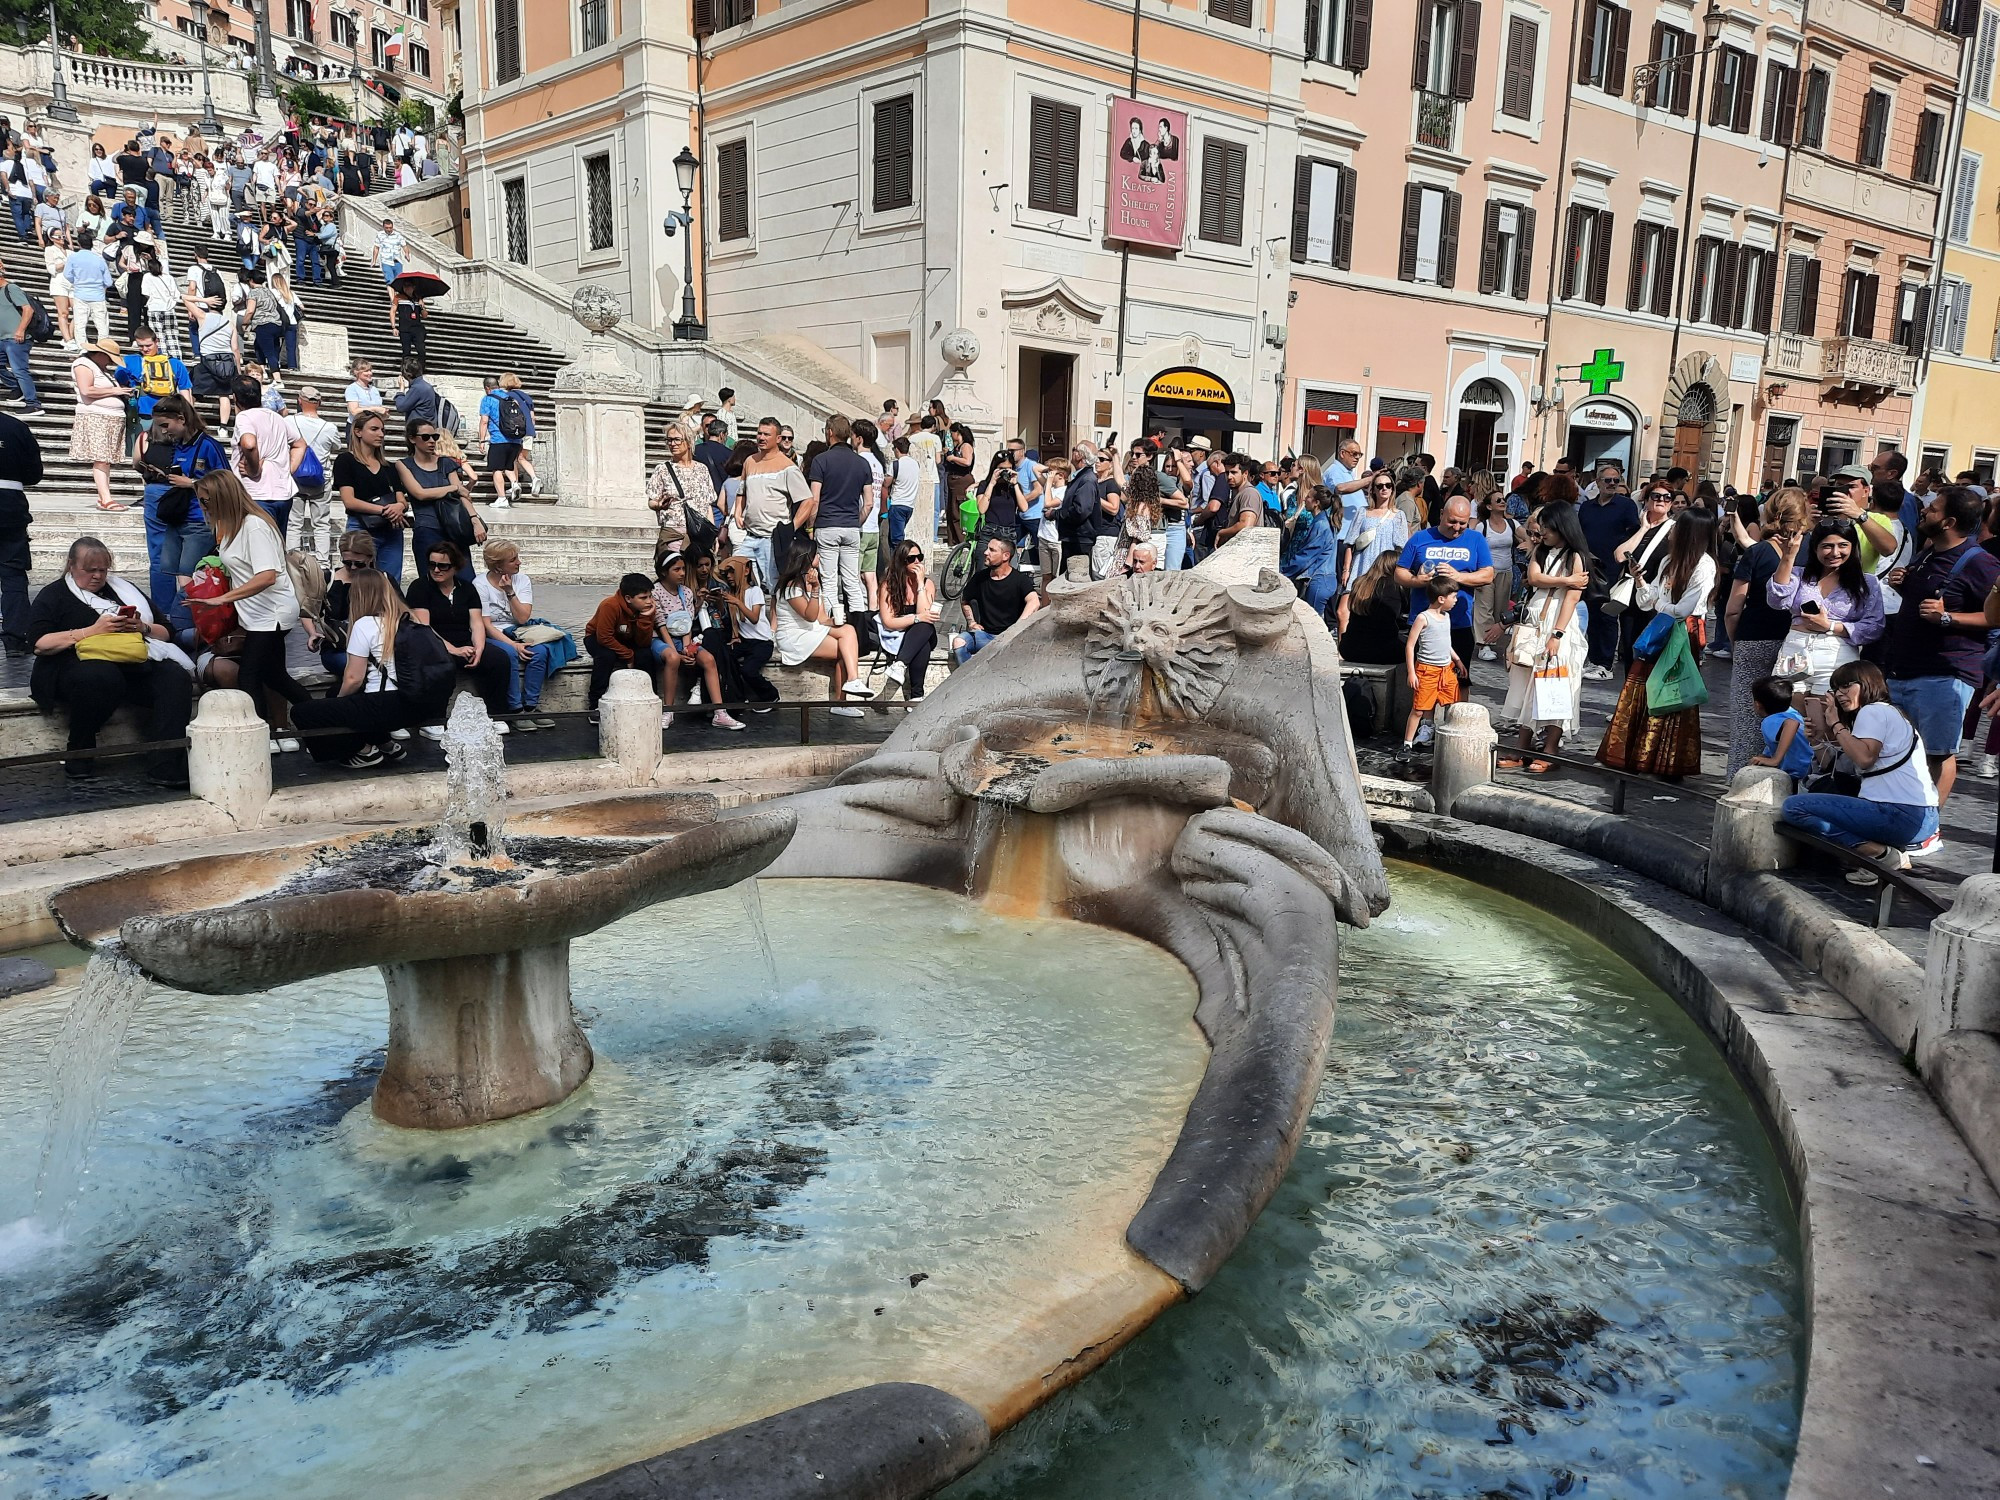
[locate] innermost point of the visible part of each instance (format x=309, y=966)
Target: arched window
x=1697, y=405
x=1484, y=395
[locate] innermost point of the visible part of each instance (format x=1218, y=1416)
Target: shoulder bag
x=701, y=531
x=1620, y=598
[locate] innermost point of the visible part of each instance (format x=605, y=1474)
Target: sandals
x=113, y=506
x=1540, y=767
x=1511, y=762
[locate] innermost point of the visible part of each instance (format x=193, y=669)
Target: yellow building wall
x=1962, y=392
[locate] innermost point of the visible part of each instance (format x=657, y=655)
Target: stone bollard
x=1962, y=966
x=1745, y=836
x=229, y=756
x=628, y=725
x=1461, y=754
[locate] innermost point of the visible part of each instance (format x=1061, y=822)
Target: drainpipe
x=701, y=154
x=1938, y=238
x=1711, y=18
x=1763, y=437
x=1124, y=248
x=1556, y=235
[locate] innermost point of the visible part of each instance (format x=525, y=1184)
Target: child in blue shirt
x=1785, y=744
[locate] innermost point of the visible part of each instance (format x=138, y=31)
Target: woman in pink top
x=266, y=453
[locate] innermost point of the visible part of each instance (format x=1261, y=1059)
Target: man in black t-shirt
x=841, y=480
x=994, y=601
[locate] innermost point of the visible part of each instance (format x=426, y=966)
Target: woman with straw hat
x=97, y=431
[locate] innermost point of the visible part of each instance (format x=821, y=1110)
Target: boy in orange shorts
x=1433, y=666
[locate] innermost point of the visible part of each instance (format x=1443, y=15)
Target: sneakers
x=399, y=734
x=1985, y=767
x=843, y=711
x=1405, y=750
x=892, y=679
x=722, y=720
x=394, y=751
x=1596, y=673
x=503, y=726
x=432, y=731
x=367, y=760
x=543, y=723
x=502, y=504
x=1487, y=653
x=525, y=726
x=33, y=411
x=667, y=720
x=284, y=744
x=1720, y=653
x=1932, y=845
x=858, y=687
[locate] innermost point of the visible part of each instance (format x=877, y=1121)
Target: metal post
x=59, y=106
x=264, y=85
x=211, y=128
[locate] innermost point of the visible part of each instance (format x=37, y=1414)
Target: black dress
x=451, y=617
x=92, y=691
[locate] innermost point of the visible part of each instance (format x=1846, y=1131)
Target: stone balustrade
x=1868, y=365
x=1793, y=354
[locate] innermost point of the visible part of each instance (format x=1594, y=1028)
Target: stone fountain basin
x=215, y=925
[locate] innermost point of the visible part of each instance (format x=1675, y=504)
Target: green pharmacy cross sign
x=1602, y=372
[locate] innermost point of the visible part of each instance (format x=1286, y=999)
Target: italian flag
x=394, y=46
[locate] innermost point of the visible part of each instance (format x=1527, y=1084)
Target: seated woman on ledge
x=99, y=646
x=398, y=676
x=1897, y=807
x=450, y=607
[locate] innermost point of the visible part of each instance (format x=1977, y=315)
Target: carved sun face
x=1172, y=624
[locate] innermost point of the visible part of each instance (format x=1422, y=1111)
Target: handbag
x=1674, y=685
x=124, y=646
x=1552, y=695
x=210, y=580
x=538, y=635
x=1653, y=639
x=701, y=533
x=1794, y=658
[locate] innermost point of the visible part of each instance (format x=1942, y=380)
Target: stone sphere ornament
x=596, y=309
x=960, y=347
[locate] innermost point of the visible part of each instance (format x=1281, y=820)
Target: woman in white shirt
x=1898, y=805
x=267, y=451
x=1489, y=600
x=163, y=308
x=806, y=634
x=507, y=595
x=253, y=551
x=367, y=703
x=1665, y=744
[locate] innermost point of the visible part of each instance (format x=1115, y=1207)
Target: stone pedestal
x=601, y=414
x=1962, y=966
x=479, y=1038
x=323, y=349
x=628, y=725
x=229, y=756
x=1746, y=836
x=1462, y=753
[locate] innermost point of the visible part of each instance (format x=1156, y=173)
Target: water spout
x=475, y=786
x=86, y=1049
x=1022, y=876
x=753, y=911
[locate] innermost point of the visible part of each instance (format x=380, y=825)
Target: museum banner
x=1148, y=174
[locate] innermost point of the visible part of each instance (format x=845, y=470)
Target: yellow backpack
x=156, y=376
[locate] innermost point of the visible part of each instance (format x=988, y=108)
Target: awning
x=1345, y=419
x=1199, y=418
x=1400, y=424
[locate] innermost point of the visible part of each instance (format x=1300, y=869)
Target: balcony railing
x=1868, y=367
x=1437, y=120
x=1793, y=354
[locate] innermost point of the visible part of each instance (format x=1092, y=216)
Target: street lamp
x=59, y=106
x=687, y=327
x=211, y=128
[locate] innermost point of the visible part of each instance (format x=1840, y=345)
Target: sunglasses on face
x=426, y=437
x=440, y=565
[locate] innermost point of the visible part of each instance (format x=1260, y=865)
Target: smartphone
x=1811, y=607
x=128, y=612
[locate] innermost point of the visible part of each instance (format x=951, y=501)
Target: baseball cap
x=1852, y=471
x=309, y=393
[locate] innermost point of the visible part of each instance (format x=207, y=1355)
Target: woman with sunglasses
x=908, y=622
x=679, y=489
x=366, y=482
x=440, y=493
x=1378, y=528
x=1640, y=557
x=444, y=599
x=1503, y=540
x=678, y=647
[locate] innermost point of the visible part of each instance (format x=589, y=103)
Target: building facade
x=1861, y=204
x=1960, y=390
x=407, y=44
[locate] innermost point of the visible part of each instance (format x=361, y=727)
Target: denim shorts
x=1937, y=705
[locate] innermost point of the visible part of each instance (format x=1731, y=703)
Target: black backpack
x=513, y=421
x=211, y=283
x=40, y=329
x=425, y=671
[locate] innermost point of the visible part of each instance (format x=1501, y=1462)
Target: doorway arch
x=1694, y=418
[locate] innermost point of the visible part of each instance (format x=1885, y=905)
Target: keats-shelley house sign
x=1148, y=174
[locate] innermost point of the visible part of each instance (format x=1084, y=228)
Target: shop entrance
x=1780, y=436
x=1599, y=432
x=1046, y=398
x=1188, y=402
x=1483, y=440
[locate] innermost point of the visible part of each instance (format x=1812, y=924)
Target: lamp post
x=687, y=327
x=59, y=106
x=211, y=128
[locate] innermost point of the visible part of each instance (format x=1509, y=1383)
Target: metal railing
x=1437, y=120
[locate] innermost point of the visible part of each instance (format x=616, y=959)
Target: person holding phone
x=1896, y=811
x=1836, y=606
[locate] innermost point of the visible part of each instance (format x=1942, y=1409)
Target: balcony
x=1793, y=355
x=1437, y=120
x=1891, y=34
x=1889, y=202
x=1866, y=369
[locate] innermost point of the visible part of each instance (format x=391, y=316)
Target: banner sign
x=1148, y=164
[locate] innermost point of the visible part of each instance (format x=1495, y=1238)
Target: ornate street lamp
x=211, y=128
x=687, y=327
x=59, y=106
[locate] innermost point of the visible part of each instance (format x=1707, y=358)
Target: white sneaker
x=432, y=731
x=858, y=687
x=666, y=721
x=503, y=726
x=501, y=505
x=399, y=734
x=1985, y=766
x=1596, y=673
x=722, y=720
x=843, y=711
x=895, y=677
x=1487, y=653
x=284, y=745
x=1932, y=845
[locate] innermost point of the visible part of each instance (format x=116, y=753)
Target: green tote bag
x=1675, y=681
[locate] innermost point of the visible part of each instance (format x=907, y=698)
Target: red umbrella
x=421, y=284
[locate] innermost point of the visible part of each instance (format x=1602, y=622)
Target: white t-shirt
x=495, y=603
x=926, y=449
x=1910, y=783
x=872, y=507
x=797, y=637
x=364, y=639
x=317, y=434
x=771, y=497
x=257, y=548
x=758, y=629
x=908, y=477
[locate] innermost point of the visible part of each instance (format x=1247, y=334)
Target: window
x=1705, y=278
x=1224, y=165
x=1506, y=252
x=342, y=29
x=1812, y=108
x=1857, y=304
x=600, y=230
x=1735, y=81
x=1800, y=313
x=1446, y=64
x=1983, y=465
x=1673, y=57
x=1517, y=86
x=298, y=19
x=378, y=47
x=1586, y=263
x=1607, y=35
x=1874, y=129
x=1430, y=235
x=1235, y=12
x=1982, y=56
x=1323, y=214
x=895, y=152
x=593, y=24
x=1655, y=252
x=1913, y=317
x=1055, y=132
x=1781, y=103
x=514, y=213
x=421, y=9
x=1930, y=147
x=1948, y=326
x=1934, y=459
x=507, y=48
x=420, y=59
x=1964, y=196
x=1337, y=32
x=732, y=190
x=1756, y=285
x=711, y=16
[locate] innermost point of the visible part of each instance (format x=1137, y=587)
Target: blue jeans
x=758, y=550
x=391, y=269
x=976, y=641
x=524, y=682
x=291, y=346
x=160, y=577
x=24, y=217
x=899, y=522
x=305, y=251
x=388, y=550
x=1176, y=551
x=281, y=515
x=187, y=544
x=1850, y=821
x=17, y=377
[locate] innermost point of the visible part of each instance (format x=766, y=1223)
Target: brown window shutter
x=1222, y=174
x=1054, y=136
x=1704, y=260
x=1517, y=88
x=1681, y=95
x=732, y=190
x=1788, y=105
x=1343, y=221
x=1586, y=64
x=1795, y=290
x=1571, y=280
x=1621, y=44
x=1767, y=287
x=1068, y=156
x=1729, y=302
x=1920, y=322
x=1773, y=93
x=1924, y=166
x=1489, y=251
x=507, y=40
x=1746, y=93
x=1667, y=260
x=1236, y=12
x=704, y=16
x=1809, y=299
x=1312, y=29
x=1635, y=273
x=1448, y=240
x=1420, y=55
x=1864, y=307
x=1524, y=253
x=1360, y=23
x=1600, y=269
x=1302, y=186
x=895, y=153
x=1465, y=72
x=1413, y=209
